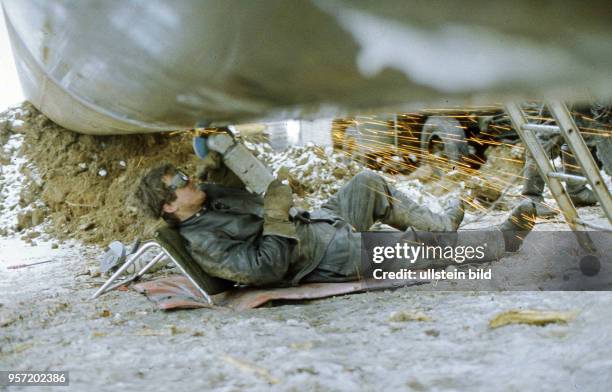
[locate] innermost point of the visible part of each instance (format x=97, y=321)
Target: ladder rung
x=540, y=128
x=594, y=226
x=568, y=177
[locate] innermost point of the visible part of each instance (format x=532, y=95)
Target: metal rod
x=121, y=283
x=150, y=264
x=29, y=265
x=107, y=285
x=138, y=275
x=124, y=267
x=568, y=177
x=203, y=292
x=541, y=128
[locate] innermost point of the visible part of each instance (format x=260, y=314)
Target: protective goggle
x=180, y=180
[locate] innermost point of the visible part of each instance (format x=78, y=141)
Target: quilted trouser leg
x=368, y=198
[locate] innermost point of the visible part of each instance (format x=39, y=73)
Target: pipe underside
x=152, y=66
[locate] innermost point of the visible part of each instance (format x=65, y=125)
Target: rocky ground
x=427, y=338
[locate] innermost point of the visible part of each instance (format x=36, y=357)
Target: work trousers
x=366, y=199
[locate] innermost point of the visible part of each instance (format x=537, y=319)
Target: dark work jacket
x=226, y=239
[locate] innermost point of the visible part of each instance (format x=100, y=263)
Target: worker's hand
x=211, y=163
x=211, y=169
x=278, y=200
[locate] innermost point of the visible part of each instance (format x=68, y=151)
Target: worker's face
x=189, y=198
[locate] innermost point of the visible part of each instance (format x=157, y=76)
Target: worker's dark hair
x=153, y=193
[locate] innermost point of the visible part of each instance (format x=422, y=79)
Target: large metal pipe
x=117, y=67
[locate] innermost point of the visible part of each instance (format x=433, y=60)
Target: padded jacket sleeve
x=261, y=262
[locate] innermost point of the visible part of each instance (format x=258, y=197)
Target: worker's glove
x=277, y=202
x=211, y=169
x=211, y=163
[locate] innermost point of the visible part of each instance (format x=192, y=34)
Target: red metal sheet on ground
x=176, y=292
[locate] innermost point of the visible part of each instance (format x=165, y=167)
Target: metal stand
x=569, y=131
x=108, y=285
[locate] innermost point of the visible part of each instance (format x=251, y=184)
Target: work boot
x=118, y=253
x=404, y=213
x=518, y=225
x=583, y=198
x=579, y=193
x=533, y=187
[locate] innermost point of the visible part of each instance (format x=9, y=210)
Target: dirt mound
x=84, y=185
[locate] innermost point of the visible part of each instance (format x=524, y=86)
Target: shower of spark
x=395, y=147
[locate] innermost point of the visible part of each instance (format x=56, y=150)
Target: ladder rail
x=582, y=154
x=544, y=165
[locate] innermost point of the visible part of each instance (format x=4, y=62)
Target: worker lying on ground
x=242, y=237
